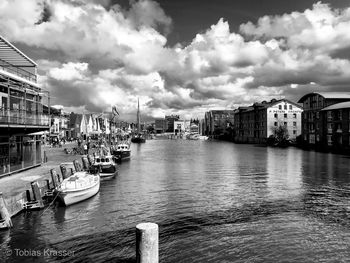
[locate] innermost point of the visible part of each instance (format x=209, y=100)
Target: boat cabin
x=103, y=160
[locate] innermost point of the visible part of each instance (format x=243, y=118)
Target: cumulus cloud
x=320, y=28
x=109, y=55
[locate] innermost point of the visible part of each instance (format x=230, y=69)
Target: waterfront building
x=170, y=119
x=256, y=123
x=201, y=127
x=216, y=122
x=194, y=128
x=160, y=125
x=22, y=115
x=319, y=131
x=179, y=127
x=336, y=127
x=77, y=125
x=59, y=123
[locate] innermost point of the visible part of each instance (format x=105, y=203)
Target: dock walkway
x=13, y=186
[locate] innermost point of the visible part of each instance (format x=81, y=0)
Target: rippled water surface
x=213, y=201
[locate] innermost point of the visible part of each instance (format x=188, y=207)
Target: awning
x=39, y=133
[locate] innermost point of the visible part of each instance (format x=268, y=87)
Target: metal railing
x=17, y=71
x=18, y=117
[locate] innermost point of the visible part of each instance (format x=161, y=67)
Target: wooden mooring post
x=55, y=178
x=4, y=213
x=37, y=194
x=45, y=157
x=147, y=243
x=64, y=172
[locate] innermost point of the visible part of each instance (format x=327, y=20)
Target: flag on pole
x=114, y=110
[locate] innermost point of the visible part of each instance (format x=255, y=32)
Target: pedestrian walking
x=85, y=149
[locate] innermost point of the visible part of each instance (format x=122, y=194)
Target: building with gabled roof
x=323, y=115
x=257, y=122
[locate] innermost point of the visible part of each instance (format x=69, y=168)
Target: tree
x=280, y=134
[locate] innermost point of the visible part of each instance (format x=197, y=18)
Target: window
x=285, y=123
x=275, y=124
x=329, y=115
x=285, y=106
x=339, y=127
x=290, y=107
x=294, y=123
x=294, y=132
x=285, y=115
x=329, y=139
x=294, y=115
x=276, y=115
x=340, y=115
x=329, y=127
x=280, y=107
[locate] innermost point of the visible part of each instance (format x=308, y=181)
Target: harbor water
x=213, y=201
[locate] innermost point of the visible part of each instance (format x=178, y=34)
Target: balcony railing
x=15, y=117
x=17, y=71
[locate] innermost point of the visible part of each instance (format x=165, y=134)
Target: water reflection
x=214, y=202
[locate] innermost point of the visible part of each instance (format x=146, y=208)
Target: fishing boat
x=78, y=187
x=122, y=151
x=138, y=137
x=105, y=166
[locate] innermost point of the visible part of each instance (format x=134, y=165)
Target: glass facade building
x=22, y=114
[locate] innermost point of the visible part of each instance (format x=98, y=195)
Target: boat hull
x=138, y=140
x=122, y=155
x=106, y=171
x=69, y=197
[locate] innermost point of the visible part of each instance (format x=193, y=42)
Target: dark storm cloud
x=114, y=52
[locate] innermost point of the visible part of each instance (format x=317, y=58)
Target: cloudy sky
x=183, y=56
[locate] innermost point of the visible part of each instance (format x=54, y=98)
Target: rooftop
x=341, y=105
x=327, y=95
x=13, y=55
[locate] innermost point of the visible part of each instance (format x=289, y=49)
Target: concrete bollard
x=4, y=213
x=147, y=243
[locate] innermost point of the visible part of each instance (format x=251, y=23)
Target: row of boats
x=85, y=181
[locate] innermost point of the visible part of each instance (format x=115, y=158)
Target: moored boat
x=105, y=166
x=138, y=137
x=78, y=187
x=193, y=136
x=122, y=151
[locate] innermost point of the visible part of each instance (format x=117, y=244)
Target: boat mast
x=138, y=116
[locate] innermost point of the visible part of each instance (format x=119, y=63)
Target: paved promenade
x=16, y=183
